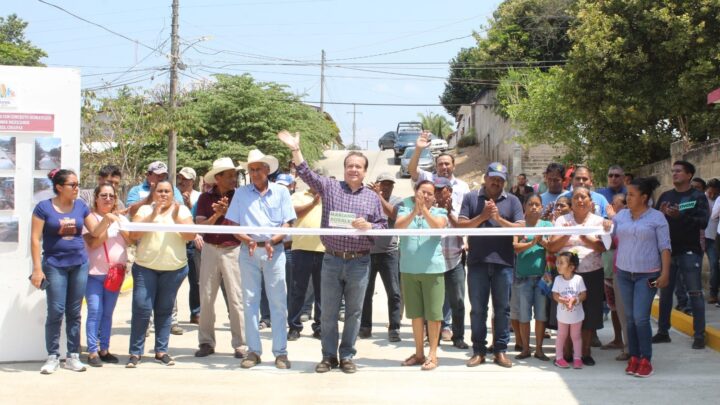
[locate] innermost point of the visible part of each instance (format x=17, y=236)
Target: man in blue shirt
x=262, y=257
x=582, y=177
x=490, y=261
x=616, y=183
x=554, y=180
x=156, y=172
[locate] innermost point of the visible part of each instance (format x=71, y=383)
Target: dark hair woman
x=62, y=268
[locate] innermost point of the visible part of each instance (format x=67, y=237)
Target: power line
x=402, y=50
x=389, y=104
x=98, y=25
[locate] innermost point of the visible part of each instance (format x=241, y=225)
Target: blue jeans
x=688, y=264
x=637, y=298
x=255, y=271
x=64, y=297
x=340, y=278
x=264, y=304
x=712, y=254
x=154, y=292
x=309, y=265
x=388, y=266
x=530, y=299
x=100, y=307
x=454, y=307
x=483, y=279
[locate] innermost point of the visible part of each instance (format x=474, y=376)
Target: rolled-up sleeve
x=662, y=232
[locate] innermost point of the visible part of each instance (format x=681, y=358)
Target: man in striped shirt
x=345, y=269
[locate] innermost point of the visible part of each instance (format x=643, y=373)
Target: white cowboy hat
x=220, y=165
x=256, y=156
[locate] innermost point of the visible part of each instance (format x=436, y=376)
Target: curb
x=684, y=323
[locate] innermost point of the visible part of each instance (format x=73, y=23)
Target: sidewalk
x=692, y=374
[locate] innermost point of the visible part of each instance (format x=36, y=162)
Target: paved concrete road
x=682, y=375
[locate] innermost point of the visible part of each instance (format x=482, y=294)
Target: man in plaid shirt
x=345, y=204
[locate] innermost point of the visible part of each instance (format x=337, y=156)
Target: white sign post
x=39, y=131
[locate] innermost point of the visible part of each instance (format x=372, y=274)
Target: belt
x=288, y=245
x=348, y=255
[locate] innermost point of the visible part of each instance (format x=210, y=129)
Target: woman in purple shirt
x=58, y=222
x=643, y=263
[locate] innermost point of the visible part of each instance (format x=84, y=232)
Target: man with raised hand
x=263, y=203
x=453, y=246
x=345, y=204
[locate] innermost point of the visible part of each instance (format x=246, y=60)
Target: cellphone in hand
x=652, y=282
x=44, y=284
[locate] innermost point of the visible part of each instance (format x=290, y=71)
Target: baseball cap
x=385, y=177
x=188, y=173
x=442, y=182
x=157, y=167
x=497, y=169
x=284, y=179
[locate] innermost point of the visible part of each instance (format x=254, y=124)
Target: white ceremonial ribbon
x=259, y=230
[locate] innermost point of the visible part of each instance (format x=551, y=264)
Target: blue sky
x=258, y=36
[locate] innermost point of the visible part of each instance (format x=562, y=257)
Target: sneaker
x=51, y=364
x=94, y=361
x=561, y=363
x=133, y=361
x=661, y=338
x=577, y=364
x=73, y=363
x=304, y=318
x=446, y=335
x=204, y=350
x=698, y=343
x=165, y=360
x=644, y=369
x=588, y=360
x=365, y=332
x=176, y=330
x=632, y=366
x=394, y=335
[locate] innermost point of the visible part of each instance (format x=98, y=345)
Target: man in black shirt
x=686, y=210
x=521, y=188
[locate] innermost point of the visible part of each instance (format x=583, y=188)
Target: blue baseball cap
x=442, y=182
x=497, y=169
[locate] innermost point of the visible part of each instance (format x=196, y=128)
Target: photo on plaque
x=9, y=234
x=7, y=193
x=7, y=152
x=42, y=189
x=47, y=153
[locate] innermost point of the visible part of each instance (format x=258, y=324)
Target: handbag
x=115, y=275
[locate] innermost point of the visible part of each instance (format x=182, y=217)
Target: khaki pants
x=220, y=264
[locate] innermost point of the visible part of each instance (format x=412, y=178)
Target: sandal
x=429, y=364
x=612, y=346
x=541, y=356
x=414, y=360
x=522, y=355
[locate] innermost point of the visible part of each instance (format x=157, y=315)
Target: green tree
x=635, y=81
x=436, y=123
x=520, y=31
x=14, y=48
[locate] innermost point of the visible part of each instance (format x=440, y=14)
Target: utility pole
x=354, y=113
x=322, y=82
x=174, y=59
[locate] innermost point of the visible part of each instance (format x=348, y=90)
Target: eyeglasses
x=614, y=175
x=72, y=185
x=106, y=196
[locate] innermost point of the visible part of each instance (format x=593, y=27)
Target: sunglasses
x=106, y=196
x=72, y=185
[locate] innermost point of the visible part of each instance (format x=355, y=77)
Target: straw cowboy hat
x=256, y=156
x=220, y=165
